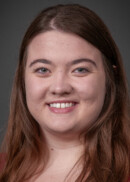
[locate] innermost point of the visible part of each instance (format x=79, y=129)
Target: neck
x=64, y=150
x=63, y=141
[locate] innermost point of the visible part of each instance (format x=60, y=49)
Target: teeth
x=61, y=105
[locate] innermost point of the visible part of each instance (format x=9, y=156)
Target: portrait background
x=15, y=17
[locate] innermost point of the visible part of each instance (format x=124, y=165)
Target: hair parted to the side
x=107, y=154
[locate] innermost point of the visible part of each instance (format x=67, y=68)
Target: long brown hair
x=107, y=154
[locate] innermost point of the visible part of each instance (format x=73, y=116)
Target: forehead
x=58, y=46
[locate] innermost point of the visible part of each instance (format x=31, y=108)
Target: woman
x=69, y=116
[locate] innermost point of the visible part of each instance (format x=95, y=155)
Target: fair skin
x=65, y=90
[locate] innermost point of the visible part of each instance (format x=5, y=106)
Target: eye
x=42, y=70
x=81, y=70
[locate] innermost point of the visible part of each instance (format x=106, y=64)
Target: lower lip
x=62, y=110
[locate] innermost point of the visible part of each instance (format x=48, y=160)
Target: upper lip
x=62, y=101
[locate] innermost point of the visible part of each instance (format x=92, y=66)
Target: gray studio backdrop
x=16, y=15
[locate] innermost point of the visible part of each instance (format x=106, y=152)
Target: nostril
x=60, y=92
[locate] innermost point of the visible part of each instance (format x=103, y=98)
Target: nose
x=61, y=84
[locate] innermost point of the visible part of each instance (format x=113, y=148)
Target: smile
x=61, y=105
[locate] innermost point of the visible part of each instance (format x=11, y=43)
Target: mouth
x=62, y=106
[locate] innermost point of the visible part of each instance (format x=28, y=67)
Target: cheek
x=35, y=90
x=92, y=89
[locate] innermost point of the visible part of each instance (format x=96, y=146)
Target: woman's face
x=64, y=82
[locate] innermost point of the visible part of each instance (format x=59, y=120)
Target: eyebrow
x=45, y=61
x=77, y=61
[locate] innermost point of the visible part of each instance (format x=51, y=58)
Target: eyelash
x=40, y=70
x=81, y=70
